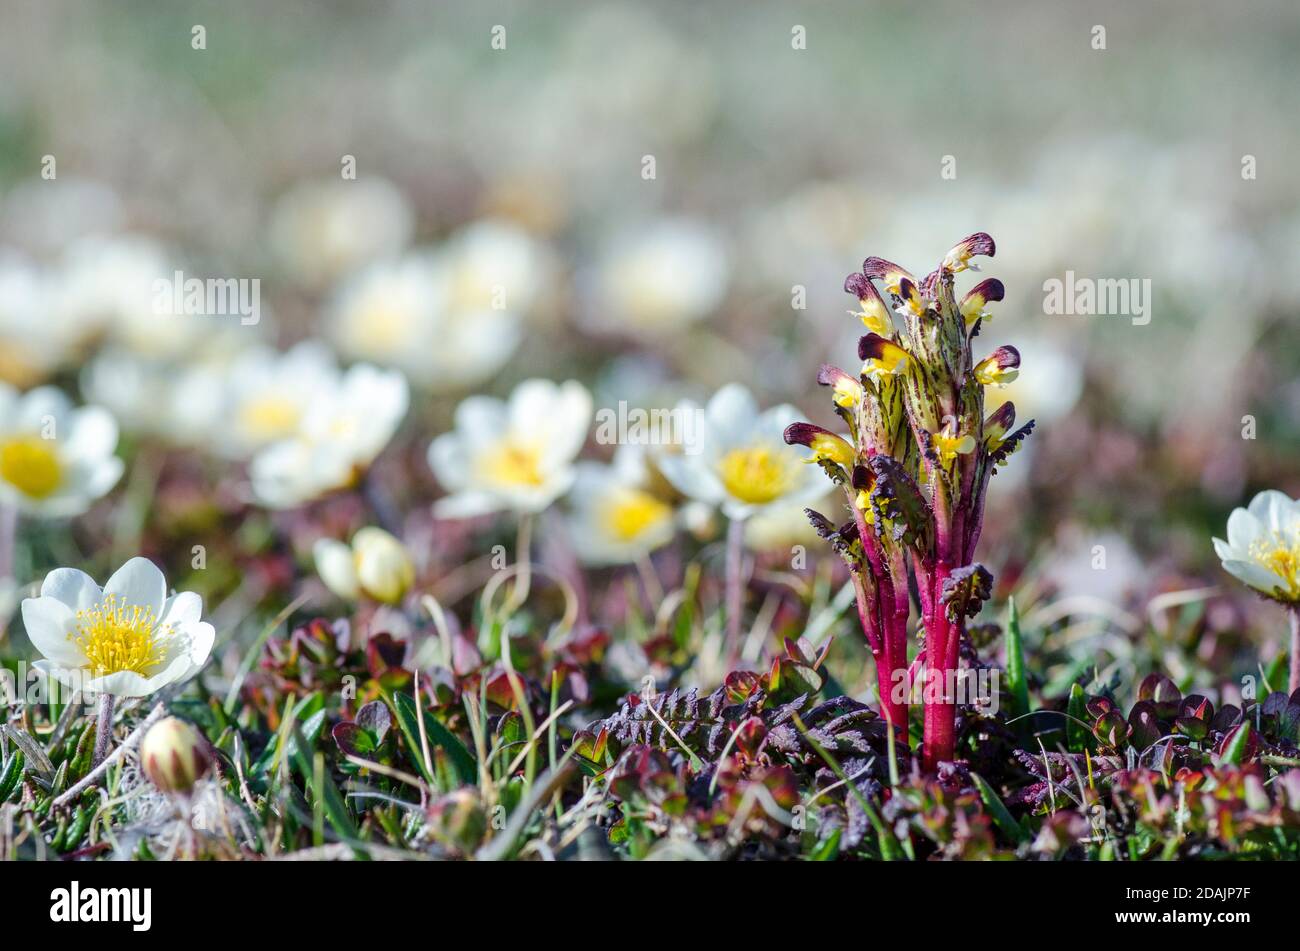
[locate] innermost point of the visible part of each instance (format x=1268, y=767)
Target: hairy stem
x=735, y=586
x=1295, y=648
x=103, y=729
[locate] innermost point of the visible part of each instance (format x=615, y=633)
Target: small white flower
x=658, y=279
x=32, y=343
x=617, y=518
x=325, y=229
x=268, y=395
x=127, y=639
x=449, y=317
x=54, y=460
x=1263, y=546
x=517, y=455
x=376, y=564
x=339, y=437
x=180, y=405
x=780, y=528
x=740, y=461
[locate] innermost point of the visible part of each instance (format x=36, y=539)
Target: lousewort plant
x=914, y=468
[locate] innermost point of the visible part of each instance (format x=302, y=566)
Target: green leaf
x=327, y=794
x=462, y=760
x=828, y=849
x=1017, y=684
x=1077, y=734
x=1002, y=817
x=1236, y=745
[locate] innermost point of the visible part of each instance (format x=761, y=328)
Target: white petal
x=692, y=478
x=1224, y=550
x=49, y=622
x=1243, y=529
x=1254, y=575
x=467, y=504
x=335, y=566
x=124, y=683
x=1267, y=504
x=481, y=419
x=74, y=588
x=139, y=582
x=732, y=410
x=202, y=636
x=182, y=609
x=450, y=461
x=91, y=433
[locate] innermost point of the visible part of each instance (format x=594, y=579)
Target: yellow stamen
x=513, y=463
x=630, y=512
x=116, y=637
x=31, y=465
x=1280, y=557
x=756, y=475
x=270, y=417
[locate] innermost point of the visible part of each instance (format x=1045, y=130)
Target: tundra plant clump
x=914, y=468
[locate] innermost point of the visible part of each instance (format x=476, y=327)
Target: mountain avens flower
x=514, y=455
x=618, y=516
x=1263, y=550
x=341, y=433
x=127, y=639
x=55, y=460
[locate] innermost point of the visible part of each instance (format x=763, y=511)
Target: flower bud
x=376, y=565
x=973, y=304
x=384, y=567
x=874, y=313
x=958, y=259
x=999, y=368
x=878, y=269
x=847, y=389
x=882, y=357
x=999, y=424
x=826, y=446
x=174, y=755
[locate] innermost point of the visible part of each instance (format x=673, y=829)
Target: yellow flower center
x=756, y=475
x=631, y=512
x=386, y=325
x=116, y=637
x=270, y=417
x=513, y=463
x=1280, y=558
x=30, y=464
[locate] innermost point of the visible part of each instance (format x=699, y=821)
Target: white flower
x=178, y=404
x=32, y=343
x=658, y=279
x=616, y=518
x=740, y=460
x=128, y=639
x=780, y=528
x=376, y=564
x=268, y=395
x=325, y=229
x=517, y=455
x=340, y=436
x=449, y=318
x=1263, y=546
x=54, y=460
